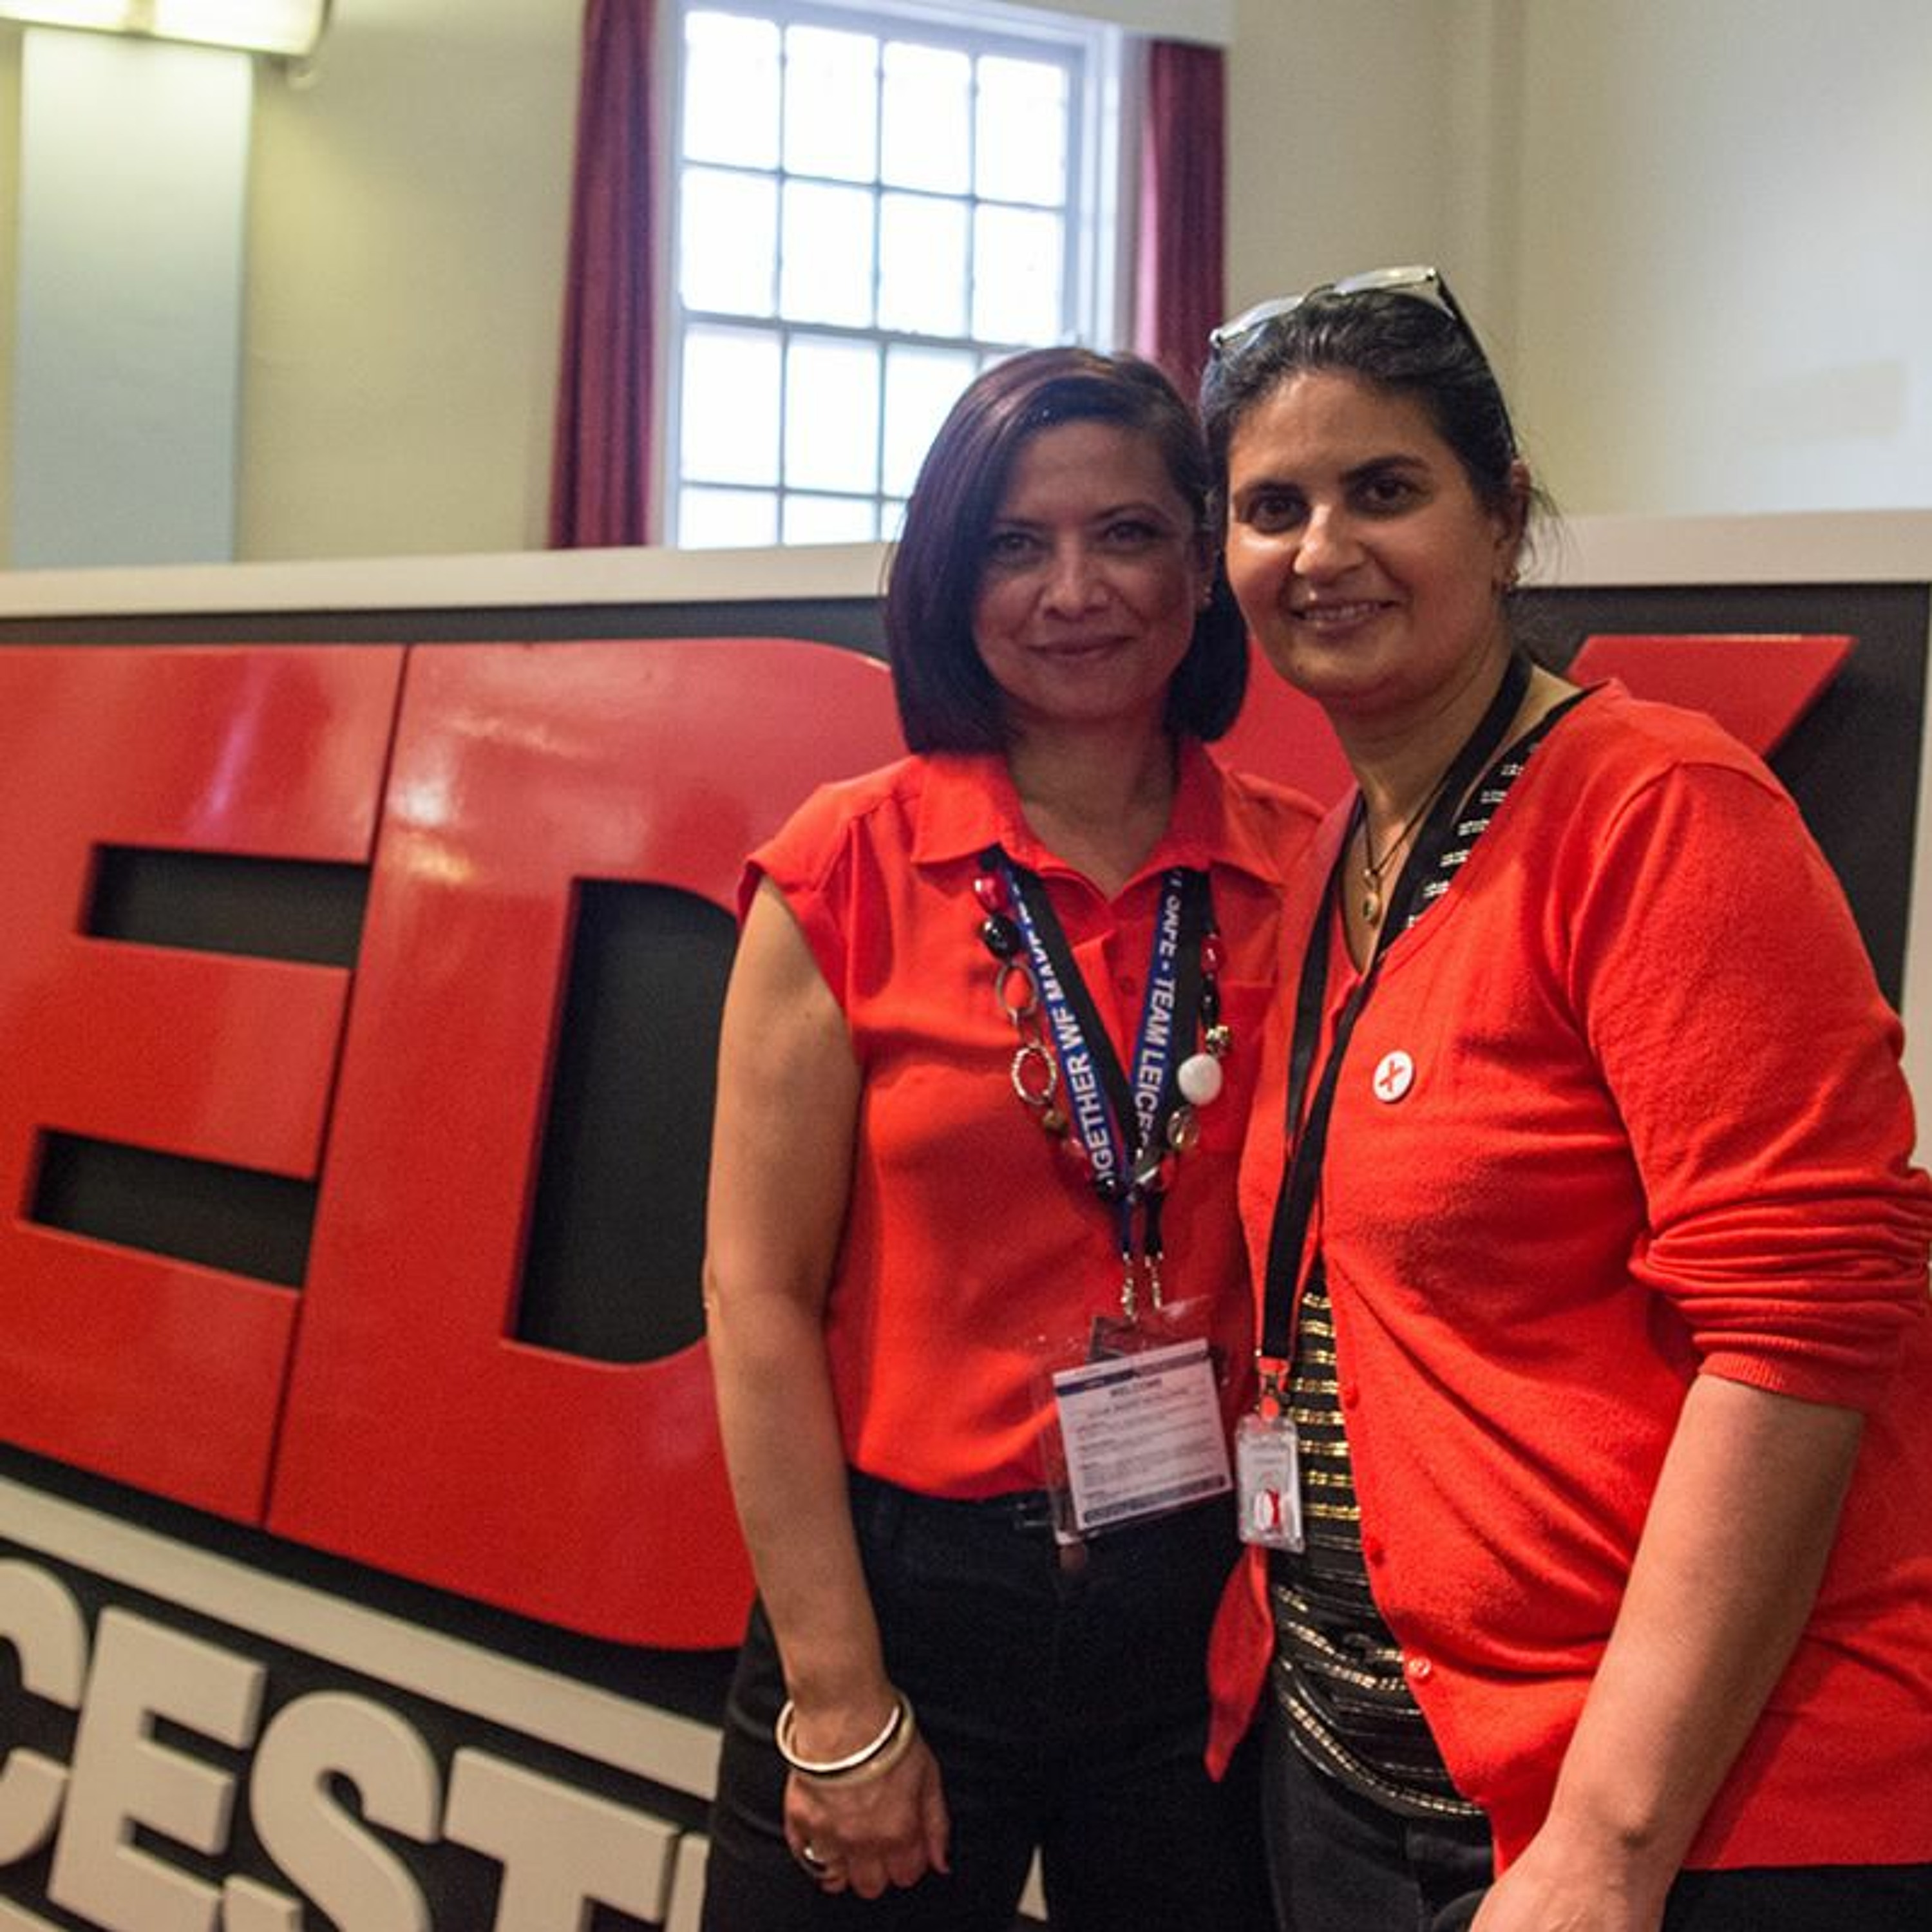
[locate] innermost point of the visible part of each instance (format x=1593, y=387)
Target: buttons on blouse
x=1418, y=1669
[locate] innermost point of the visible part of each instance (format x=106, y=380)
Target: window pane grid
x=770, y=375
x=881, y=274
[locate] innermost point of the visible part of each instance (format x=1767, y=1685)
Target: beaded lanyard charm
x=1126, y=1137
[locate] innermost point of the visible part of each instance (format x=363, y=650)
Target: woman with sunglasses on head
x=1591, y=1471
x=985, y=1062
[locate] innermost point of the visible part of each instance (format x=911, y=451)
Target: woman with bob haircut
x=1593, y=1257
x=976, y=1302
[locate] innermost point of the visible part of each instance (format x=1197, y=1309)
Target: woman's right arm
x=780, y=1174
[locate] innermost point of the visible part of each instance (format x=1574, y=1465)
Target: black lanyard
x=1295, y=1206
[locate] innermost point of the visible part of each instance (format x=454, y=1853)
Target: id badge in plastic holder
x=1119, y=1448
x=1267, y=1480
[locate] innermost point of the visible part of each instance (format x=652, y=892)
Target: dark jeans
x=1340, y=1863
x=1066, y=1704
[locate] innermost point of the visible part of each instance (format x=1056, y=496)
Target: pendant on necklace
x=1200, y=1079
x=1372, y=905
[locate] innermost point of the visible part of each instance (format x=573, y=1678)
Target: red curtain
x=600, y=466
x=1181, y=256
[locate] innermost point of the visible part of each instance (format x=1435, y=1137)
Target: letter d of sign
x=422, y=1435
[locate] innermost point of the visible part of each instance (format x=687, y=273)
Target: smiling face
x=1368, y=570
x=1093, y=573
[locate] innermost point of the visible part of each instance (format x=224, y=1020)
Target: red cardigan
x=1657, y=1129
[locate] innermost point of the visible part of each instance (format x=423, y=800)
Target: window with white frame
x=875, y=199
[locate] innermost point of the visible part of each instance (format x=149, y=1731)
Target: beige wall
x=1697, y=239
x=1694, y=236
x=1338, y=124
x=1367, y=133
x=10, y=198
x=1725, y=275
x=407, y=237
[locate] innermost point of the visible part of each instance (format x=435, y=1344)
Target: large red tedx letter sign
x=421, y=1435
x=1758, y=687
x=160, y=1372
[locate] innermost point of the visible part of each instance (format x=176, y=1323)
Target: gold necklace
x=1372, y=868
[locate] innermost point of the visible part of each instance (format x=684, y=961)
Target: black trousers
x=1340, y=1863
x=1066, y=1704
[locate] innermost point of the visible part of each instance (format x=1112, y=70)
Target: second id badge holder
x=1133, y=1425
x=1268, y=1471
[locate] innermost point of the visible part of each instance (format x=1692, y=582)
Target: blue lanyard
x=1126, y=1172
x=1154, y=1054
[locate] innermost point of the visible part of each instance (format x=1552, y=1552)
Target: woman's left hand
x=869, y=1837
x=1554, y=1888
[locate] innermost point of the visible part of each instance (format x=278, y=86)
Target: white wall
x=1724, y=284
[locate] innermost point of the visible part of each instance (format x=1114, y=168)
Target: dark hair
x=1396, y=342
x=947, y=699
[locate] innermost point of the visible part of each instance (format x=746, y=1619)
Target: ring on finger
x=813, y=1862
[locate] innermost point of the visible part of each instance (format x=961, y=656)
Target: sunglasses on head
x=1420, y=283
x=1425, y=284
